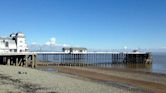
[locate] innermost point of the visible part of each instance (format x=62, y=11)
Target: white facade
x=67, y=51
x=13, y=43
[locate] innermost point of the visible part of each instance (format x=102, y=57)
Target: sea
x=158, y=62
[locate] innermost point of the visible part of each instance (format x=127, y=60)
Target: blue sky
x=99, y=24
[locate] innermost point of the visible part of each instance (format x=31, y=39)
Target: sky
x=96, y=24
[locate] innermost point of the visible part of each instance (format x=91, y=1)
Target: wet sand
x=129, y=79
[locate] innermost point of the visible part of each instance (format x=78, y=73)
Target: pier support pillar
x=26, y=61
x=8, y=60
x=16, y=61
x=33, y=61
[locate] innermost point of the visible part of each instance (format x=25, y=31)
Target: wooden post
x=4, y=60
x=35, y=59
x=26, y=60
x=16, y=61
x=8, y=60
x=20, y=62
x=32, y=65
x=11, y=60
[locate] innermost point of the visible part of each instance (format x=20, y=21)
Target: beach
x=61, y=79
x=26, y=80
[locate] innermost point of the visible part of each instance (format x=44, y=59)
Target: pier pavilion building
x=13, y=43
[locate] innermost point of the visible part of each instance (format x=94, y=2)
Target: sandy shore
x=135, y=81
x=26, y=80
x=61, y=79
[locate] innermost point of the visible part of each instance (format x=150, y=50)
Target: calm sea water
x=158, y=65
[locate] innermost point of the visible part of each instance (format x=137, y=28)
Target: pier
x=27, y=59
x=14, y=51
x=95, y=58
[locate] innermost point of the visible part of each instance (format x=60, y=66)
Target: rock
x=19, y=72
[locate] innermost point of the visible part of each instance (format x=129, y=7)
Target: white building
x=74, y=50
x=13, y=43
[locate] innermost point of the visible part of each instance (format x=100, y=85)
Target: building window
x=11, y=50
x=26, y=50
x=6, y=44
x=15, y=50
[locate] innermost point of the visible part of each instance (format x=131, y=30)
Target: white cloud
x=51, y=42
x=34, y=43
x=125, y=47
x=50, y=45
x=65, y=45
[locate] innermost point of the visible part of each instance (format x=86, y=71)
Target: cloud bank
x=50, y=45
x=51, y=42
